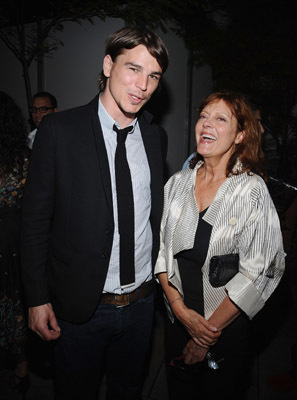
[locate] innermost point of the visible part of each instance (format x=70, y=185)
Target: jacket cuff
x=160, y=266
x=243, y=293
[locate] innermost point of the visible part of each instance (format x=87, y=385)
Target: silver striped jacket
x=243, y=220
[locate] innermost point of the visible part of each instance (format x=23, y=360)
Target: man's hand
x=42, y=321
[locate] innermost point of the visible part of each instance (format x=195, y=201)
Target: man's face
x=132, y=79
x=39, y=102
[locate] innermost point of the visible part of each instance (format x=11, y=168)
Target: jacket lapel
x=101, y=152
x=151, y=141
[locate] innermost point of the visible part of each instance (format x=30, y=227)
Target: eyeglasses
x=42, y=110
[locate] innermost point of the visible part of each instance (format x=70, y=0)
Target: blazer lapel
x=152, y=143
x=101, y=152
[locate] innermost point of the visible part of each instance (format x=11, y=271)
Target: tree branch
x=10, y=45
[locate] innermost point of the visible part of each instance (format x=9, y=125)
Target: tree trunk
x=187, y=134
x=40, y=60
x=27, y=80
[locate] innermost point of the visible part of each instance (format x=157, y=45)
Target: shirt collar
x=107, y=121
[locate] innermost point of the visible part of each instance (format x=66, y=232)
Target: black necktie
x=125, y=208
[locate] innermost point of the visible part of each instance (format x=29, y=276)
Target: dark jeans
x=115, y=342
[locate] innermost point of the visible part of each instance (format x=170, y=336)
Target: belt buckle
x=121, y=303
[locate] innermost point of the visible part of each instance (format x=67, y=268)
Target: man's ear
x=239, y=137
x=107, y=64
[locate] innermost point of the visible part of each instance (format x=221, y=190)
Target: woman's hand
x=194, y=353
x=204, y=333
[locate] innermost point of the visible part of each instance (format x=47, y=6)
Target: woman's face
x=216, y=131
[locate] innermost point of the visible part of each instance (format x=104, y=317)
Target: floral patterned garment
x=12, y=186
x=13, y=324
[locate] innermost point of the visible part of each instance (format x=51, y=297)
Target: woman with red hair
x=221, y=253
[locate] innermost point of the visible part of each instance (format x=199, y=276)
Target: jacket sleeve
x=166, y=261
x=161, y=260
x=38, y=207
x=262, y=259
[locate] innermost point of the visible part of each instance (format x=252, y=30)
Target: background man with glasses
x=43, y=103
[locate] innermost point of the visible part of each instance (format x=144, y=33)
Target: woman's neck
x=212, y=172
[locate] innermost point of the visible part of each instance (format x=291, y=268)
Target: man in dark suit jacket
x=70, y=237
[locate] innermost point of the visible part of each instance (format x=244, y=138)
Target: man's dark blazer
x=67, y=223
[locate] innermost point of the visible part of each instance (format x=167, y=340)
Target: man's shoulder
x=74, y=114
x=149, y=128
x=146, y=118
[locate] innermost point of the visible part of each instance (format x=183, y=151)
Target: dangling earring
x=238, y=167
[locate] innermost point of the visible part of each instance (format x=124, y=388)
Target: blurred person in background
x=43, y=103
x=14, y=158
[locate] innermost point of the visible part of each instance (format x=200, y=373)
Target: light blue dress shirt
x=141, y=180
x=186, y=164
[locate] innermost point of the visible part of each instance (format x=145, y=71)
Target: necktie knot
x=122, y=133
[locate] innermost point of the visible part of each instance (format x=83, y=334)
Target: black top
x=190, y=263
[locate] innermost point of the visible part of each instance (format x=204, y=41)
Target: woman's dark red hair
x=249, y=151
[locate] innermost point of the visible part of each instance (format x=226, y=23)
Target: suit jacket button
x=107, y=232
x=104, y=255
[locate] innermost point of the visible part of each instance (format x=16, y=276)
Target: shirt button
x=233, y=221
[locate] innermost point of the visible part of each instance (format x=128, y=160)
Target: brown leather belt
x=121, y=300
